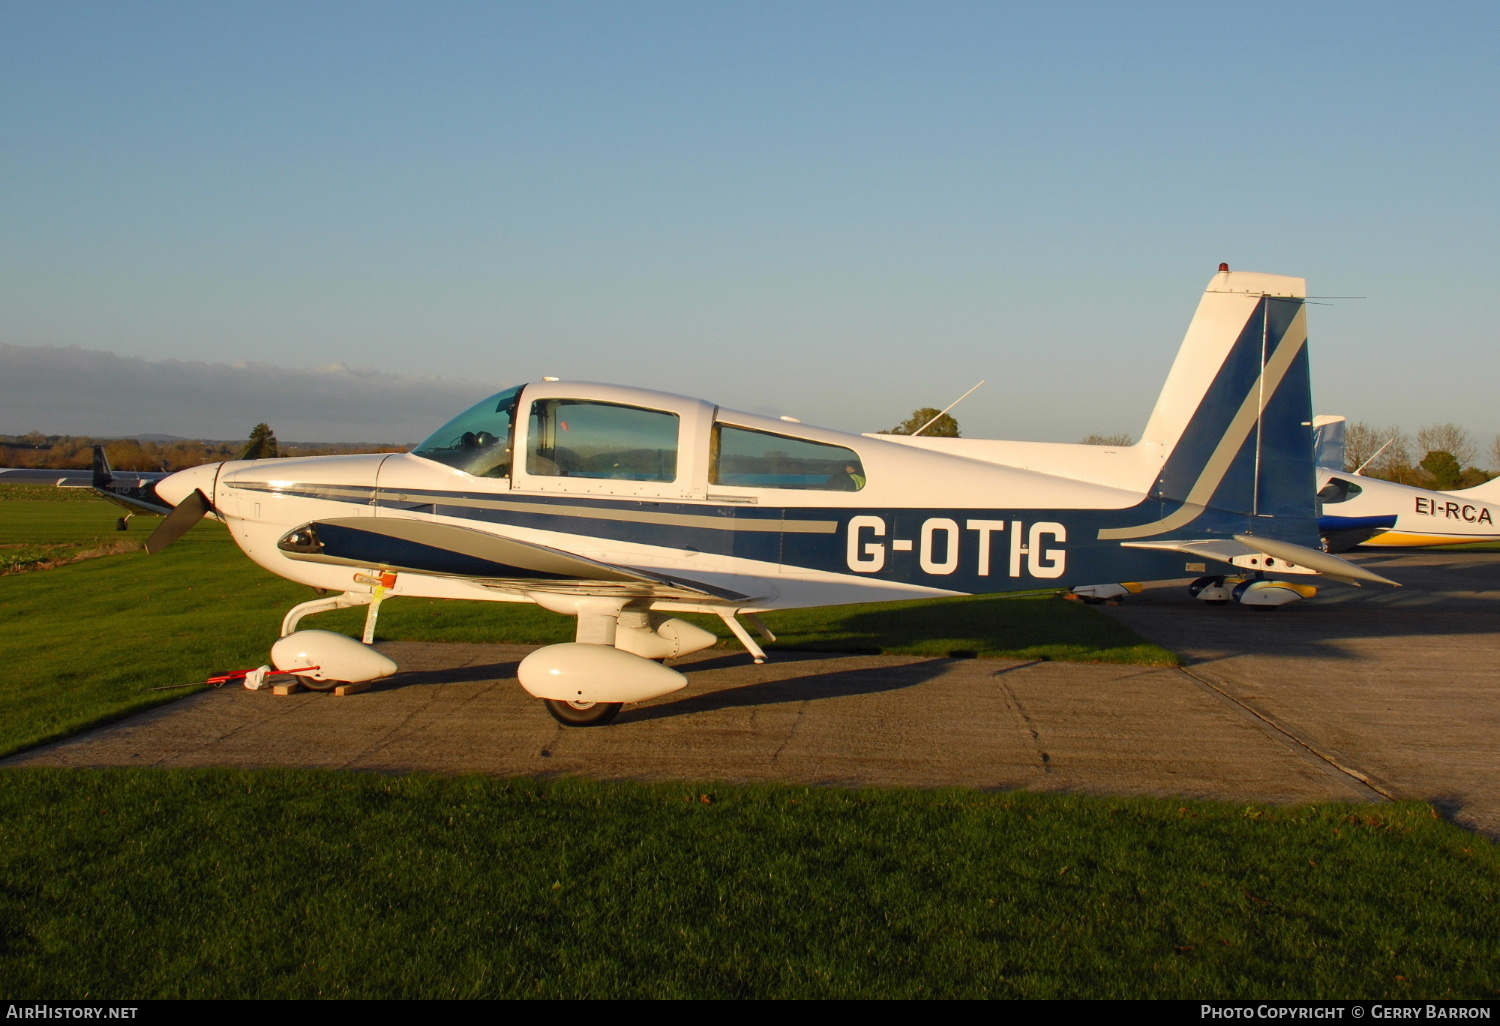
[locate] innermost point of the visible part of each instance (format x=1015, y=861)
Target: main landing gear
x=1256, y=592
x=582, y=714
x=617, y=657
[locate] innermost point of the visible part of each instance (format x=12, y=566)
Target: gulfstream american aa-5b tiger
x=621, y=506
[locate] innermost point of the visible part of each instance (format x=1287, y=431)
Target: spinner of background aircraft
x=1359, y=510
x=620, y=506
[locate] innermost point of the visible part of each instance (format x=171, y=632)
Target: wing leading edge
x=444, y=550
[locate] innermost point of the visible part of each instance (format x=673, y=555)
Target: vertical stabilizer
x=1489, y=491
x=103, y=476
x=1233, y=425
x=1328, y=442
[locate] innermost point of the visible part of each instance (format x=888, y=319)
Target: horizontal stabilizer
x=1227, y=550
x=1322, y=562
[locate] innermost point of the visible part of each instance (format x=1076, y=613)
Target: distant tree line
x=1448, y=455
x=76, y=452
x=1439, y=455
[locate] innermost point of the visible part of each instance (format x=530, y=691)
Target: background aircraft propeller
x=189, y=511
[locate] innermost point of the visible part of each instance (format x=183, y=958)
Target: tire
x=313, y=684
x=582, y=714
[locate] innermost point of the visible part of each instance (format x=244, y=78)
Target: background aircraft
x=135, y=492
x=1359, y=510
x=621, y=505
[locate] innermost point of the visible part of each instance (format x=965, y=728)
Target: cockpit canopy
x=599, y=438
x=478, y=441
x=1338, y=490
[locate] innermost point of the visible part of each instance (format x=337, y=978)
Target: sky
x=836, y=211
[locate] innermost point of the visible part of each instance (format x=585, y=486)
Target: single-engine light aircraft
x=620, y=506
x=134, y=492
x=1359, y=510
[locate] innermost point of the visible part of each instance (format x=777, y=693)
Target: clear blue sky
x=839, y=211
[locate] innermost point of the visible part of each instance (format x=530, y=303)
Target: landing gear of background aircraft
x=582, y=714
x=1098, y=594
x=1210, y=590
x=123, y=524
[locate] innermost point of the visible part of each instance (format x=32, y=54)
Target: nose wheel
x=582, y=714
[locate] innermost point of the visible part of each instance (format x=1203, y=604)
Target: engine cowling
x=579, y=672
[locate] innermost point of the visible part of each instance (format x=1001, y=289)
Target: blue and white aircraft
x=1359, y=510
x=135, y=492
x=621, y=506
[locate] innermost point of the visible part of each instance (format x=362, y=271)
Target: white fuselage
x=1402, y=515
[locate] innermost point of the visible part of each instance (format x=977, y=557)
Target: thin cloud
x=68, y=390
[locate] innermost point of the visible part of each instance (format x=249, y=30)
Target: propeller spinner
x=191, y=491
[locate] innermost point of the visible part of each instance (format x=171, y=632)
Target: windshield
x=1338, y=490
x=478, y=440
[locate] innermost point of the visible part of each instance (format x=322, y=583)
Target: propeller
x=178, y=522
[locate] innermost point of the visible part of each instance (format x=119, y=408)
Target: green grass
x=149, y=884
x=220, y=884
x=82, y=643
x=1027, y=626
x=42, y=525
x=1471, y=547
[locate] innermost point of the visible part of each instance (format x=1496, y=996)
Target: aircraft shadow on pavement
x=1457, y=597
x=454, y=675
x=807, y=688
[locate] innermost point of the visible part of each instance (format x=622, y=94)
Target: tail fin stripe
x=1212, y=474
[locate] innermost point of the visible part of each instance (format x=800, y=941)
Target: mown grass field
x=42, y=525
x=140, y=884
x=84, y=643
x=215, y=884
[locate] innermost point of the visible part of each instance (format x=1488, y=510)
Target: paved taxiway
x=1360, y=694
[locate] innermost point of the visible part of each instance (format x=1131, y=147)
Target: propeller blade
x=178, y=522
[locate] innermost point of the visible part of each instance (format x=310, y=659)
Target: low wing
x=1253, y=552
x=505, y=564
x=130, y=503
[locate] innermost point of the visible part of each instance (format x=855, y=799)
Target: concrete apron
x=1347, y=697
x=1399, y=688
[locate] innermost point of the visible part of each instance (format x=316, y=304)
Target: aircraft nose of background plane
x=181, y=484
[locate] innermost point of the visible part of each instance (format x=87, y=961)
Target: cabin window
x=477, y=441
x=1338, y=490
x=760, y=459
x=583, y=438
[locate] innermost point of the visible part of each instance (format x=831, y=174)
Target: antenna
x=944, y=410
x=1377, y=452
